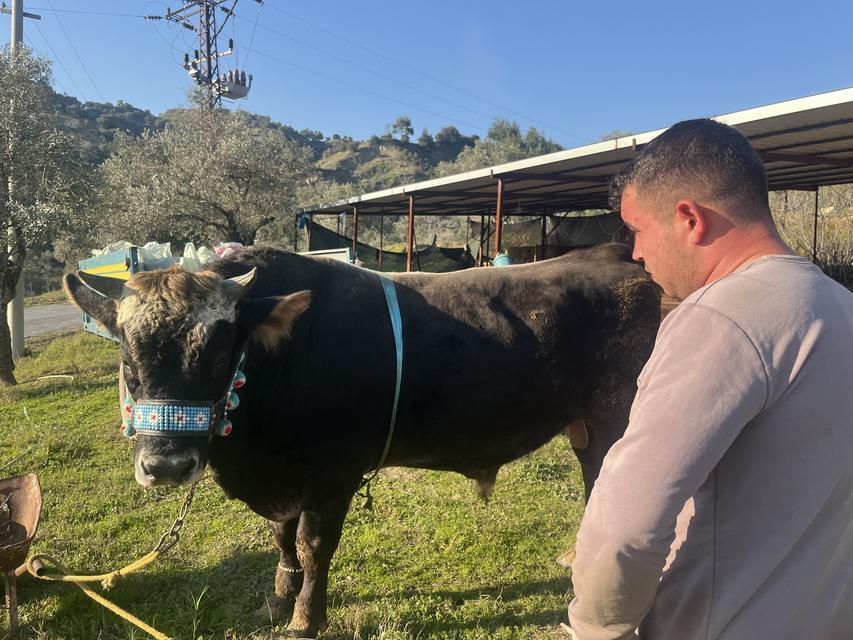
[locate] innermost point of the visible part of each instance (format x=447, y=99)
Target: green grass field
x=429, y=561
x=51, y=297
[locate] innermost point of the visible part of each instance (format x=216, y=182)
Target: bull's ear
x=270, y=320
x=100, y=307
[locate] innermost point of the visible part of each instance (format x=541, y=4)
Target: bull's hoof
x=300, y=635
x=566, y=558
x=274, y=609
x=301, y=627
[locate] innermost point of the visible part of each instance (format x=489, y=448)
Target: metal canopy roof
x=805, y=143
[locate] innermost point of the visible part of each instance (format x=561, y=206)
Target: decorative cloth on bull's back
x=183, y=417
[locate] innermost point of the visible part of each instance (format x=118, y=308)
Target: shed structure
x=805, y=143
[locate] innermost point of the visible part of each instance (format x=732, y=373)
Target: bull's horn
x=239, y=285
x=112, y=288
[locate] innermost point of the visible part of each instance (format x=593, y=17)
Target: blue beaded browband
x=183, y=417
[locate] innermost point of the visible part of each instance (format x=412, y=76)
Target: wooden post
x=544, y=236
x=354, y=233
x=411, y=236
x=499, y=217
x=310, y=222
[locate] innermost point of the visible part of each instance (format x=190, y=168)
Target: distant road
x=51, y=317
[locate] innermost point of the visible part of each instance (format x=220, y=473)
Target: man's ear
x=270, y=320
x=691, y=221
x=100, y=307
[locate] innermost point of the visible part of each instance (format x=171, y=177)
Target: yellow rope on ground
x=36, y=567
x=106, y=579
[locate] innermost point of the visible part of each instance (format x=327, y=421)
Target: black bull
x=496, y=362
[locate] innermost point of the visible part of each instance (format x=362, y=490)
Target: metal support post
x=354, y=233
x=12, y=602
x=482, y=240
x=499, y=217
x=381, y=238
x=411, y=235
x=814, y=237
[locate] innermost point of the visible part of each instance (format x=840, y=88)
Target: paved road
x=51, y=317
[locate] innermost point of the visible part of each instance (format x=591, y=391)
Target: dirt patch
x=398, y=473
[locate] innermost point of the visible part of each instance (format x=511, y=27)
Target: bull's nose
x=153, y=470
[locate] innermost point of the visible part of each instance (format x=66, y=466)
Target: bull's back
x=511, y=354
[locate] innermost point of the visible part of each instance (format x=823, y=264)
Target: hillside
x=375, y=163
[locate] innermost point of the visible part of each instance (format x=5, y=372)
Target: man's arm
x=703, y=383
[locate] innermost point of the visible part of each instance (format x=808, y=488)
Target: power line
x=91, y=13
x=74, y=49
x=61, y=64
x=172, y=45
x=252, y=39
x=33, y=47
x=377, y=73
x=422, y=73
x=371, y=92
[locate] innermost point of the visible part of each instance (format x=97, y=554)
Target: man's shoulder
x=775, y=291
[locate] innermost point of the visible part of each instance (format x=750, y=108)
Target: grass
x=429, y=561
x=49, y=297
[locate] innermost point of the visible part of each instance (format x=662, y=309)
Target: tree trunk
x=7, y=366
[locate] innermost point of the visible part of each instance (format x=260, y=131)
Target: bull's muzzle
x=171, y=469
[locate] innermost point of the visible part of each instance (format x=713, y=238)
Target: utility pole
x=200, y=16
x=15, y=309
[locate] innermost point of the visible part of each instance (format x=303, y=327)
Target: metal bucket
x=20, y=507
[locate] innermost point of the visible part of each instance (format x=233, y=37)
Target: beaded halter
x=183, y=417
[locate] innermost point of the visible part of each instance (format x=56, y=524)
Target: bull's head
x=181, y=336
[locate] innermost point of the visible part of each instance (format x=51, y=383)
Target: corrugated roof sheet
x=805, y=143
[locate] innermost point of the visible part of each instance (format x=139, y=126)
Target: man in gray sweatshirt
x=726, y=510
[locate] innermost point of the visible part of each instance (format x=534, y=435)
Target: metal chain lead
x=171, y=537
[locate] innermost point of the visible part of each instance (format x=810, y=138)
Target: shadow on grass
x=506, y=592
x=232, y=589
x=227, y=593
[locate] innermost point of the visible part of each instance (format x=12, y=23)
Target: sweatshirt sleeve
x=703, y=383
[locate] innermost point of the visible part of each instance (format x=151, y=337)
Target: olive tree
x=503, y=143
x=210, y=175
x=42, y=182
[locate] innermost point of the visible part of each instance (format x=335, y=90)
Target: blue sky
x=575, y=70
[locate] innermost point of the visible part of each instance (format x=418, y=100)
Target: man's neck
x=746, y=247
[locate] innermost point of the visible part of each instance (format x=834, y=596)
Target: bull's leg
x=316, y=541
x=288, y=574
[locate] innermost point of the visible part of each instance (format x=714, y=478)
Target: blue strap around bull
x=397, y=326
x=390, y=290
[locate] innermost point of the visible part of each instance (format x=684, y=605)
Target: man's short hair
x=703, y=160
